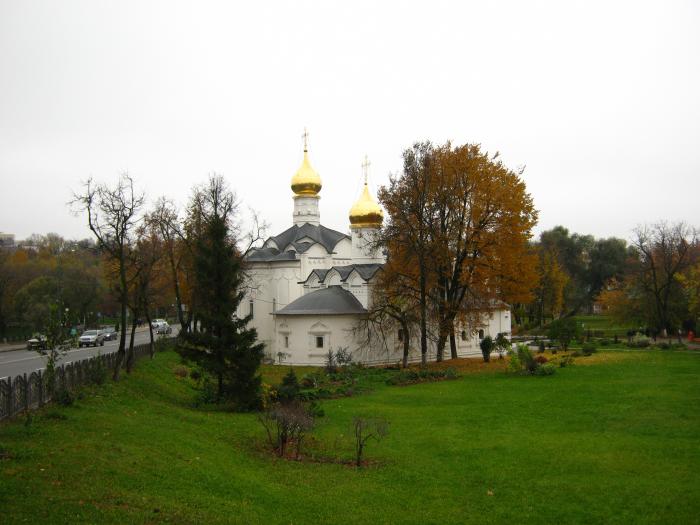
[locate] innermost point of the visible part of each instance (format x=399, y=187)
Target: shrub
x=343, y=357
x=286, y=423
x=268, y=395
x=639, y=341
x=547, y=369
x=312, y=379
x=315, y=409
x=527, y=361
x=180, y=371
x=486, y=345
x=605, y=342
x=564, y=330
x=289, y=389
x=411, y=375
x=566, y=361
x=208, y=391
x=502, y=344
x=589, y=348
x=541, y=359
x=514, y=365
x=330, y=362
x=540, y=347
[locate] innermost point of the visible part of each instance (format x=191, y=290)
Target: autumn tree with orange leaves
x=459, y=223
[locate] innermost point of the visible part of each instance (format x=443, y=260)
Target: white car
x=155, y=323
x=91, y=338
x=163, y=328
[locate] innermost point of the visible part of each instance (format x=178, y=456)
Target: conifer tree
x=223, y=344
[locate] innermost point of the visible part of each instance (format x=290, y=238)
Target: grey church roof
x=334, y=300
x=294, y=236
x=271, y=254
x=320, y=234
x=366, y=271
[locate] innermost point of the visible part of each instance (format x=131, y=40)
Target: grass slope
x=616, y=441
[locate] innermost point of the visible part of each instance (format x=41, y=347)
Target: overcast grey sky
x=599, y=100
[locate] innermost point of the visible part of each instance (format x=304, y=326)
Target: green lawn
x=605, y=324
x=611, y=440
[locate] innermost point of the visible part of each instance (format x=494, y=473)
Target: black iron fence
x=30, y=391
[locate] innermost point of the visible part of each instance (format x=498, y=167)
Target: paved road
x=20, y=361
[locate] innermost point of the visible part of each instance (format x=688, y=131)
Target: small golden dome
x=366, y=213
x=306, y=181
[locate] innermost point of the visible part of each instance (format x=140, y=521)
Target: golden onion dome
x=366, y=213
x=306, y=181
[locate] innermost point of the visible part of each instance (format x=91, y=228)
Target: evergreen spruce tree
x=222, y=344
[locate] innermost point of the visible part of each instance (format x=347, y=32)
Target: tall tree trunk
x=178, y=298
x=423, y=318
x=441, y=342
x=150, y=330
x=130, y=355
x=453, y=344
x=406, y=344
x=123, y=297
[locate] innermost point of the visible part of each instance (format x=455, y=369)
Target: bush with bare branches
x=286, y=424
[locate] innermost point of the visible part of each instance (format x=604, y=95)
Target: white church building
x=310, y=286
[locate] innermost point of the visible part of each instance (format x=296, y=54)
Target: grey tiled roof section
x=334, y=300
x=324, y=236
x=271, y=254
x=366, y=271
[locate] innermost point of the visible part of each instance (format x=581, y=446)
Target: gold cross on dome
x=305, y=136
x=365, y=167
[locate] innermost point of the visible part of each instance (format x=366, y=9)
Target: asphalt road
x=20, y=361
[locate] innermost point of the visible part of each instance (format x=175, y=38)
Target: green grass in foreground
x=615, y=441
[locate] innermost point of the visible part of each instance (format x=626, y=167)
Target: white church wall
x=271, y=286
x=343, y=253
x=297, y=337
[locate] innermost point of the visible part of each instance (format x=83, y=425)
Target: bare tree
x=165, y=218
x=366, y=429
x=112, y=217
x=143, y=258
x=663, y=252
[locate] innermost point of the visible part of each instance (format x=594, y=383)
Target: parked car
x=37, y=342
x=163, y=328
x=110, y=333
x=91, y=338
x=155, y=323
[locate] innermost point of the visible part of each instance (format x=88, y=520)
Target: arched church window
x=481, y=334
x=319, y=341
x=252, y=311
x=464, y=335
x=286, y=341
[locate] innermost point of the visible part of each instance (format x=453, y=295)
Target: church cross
x=365, y=168
x=305, y=136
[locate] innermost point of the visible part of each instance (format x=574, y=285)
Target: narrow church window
x=464, y=335
x=286, y=341
x=250, y=304
x=481, y=334
x=319, y=341
x=274, y=305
